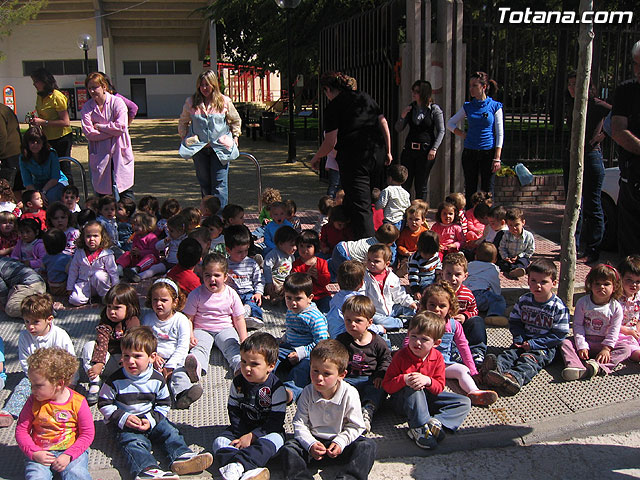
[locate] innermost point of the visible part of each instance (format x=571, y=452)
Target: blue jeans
x=338, y=257
x=392, y=321
x=294, y=377
x=334, y=182
x=524, y=365
x=255, y=455
x=77, y=469
x=368, y=392
x=137, y=445
x=590, y=227
x=212, y=176
x=256, y=311
x=420, y=405
x=490, y=302
x=54, y=194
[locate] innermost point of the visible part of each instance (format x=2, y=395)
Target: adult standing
x=210, y=126
x=10, y=144
x=357, y=129
x=426, y=131
x=483, y=138
x=590, y=228
x=105, y=125
x=52, y=116
x=625, y=130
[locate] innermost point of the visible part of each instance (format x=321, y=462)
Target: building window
x=157, y=67
x=59, y=67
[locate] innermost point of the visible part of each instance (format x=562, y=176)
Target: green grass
x=547, y=171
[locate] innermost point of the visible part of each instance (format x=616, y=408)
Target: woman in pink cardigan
x=105, y=125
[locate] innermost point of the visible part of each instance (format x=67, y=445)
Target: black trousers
x=477, y=163
x=62, y=146
x=419, y=168
x=357, y=458
x=629, y=218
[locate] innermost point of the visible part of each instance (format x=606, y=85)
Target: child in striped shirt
x=305, y=327
x=425, y=263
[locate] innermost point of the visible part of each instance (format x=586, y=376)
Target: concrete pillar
x=100, y=43
x=213, y=46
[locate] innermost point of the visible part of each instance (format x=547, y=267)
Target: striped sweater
x=305, y=329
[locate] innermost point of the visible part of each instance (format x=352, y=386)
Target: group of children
x=334, y=359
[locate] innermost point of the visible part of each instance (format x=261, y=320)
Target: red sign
x=82, y=95
x=9, y=97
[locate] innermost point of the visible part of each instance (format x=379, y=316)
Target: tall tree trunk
x=574, y=195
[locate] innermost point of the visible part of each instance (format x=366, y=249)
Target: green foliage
x=14, y=13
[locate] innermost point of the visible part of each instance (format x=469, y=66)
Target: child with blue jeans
x=305, y=327
x=383, y=287
x=244, y=276
x=484, y=283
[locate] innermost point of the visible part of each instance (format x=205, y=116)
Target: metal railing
x=258, y=174
x=83, y=174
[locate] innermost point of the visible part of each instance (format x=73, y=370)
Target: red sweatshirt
x=467, y=302
x=324, y=277
x=404, y=361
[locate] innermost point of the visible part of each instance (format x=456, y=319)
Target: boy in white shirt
x=394, y=199
x=484, y=283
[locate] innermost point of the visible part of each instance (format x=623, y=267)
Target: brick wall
x=543, y=189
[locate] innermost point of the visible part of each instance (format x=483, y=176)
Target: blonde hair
x=146, y=221
x=55, y=364
x=217, y=99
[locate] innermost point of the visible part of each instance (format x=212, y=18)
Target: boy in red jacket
x=415, y=381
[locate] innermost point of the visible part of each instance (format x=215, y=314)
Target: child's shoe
x=516, y=273
x=436, y=428
x=156, y=474
x=93, y=393
x=573, y=373
x=232, y=471
x=186, y=398
x=253, y=323
x=191, y=463
x=6, y=419
x=423, y=437
x=505, y=381
x=490, y=363
x=193, y=368
x=367, y=414
x=592, y=368
x=483, y=398
x=131, y=274
x=496, y=321
x=256, y=474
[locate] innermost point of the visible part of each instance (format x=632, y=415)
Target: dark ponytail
x=491, y=84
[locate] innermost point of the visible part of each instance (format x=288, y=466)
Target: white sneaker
x=256, y=474
x=253, y=323
x=247, y=310
x=232, y=471
x=156, y=474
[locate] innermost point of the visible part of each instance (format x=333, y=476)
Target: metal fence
x=530, y=64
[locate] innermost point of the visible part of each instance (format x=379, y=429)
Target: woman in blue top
x=210, y=126
x=483, y=138
x=40, y=167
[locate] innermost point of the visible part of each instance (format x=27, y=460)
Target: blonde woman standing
x=210, y=126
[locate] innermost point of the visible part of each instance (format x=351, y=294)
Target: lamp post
x=84, y=43
x=289, y=5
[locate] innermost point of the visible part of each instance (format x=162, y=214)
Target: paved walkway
x=545, y=409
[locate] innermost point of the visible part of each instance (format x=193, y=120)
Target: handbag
x=524, y=175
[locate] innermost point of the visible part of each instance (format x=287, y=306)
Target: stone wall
x=543, y=190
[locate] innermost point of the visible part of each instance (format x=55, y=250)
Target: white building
x=152, y=50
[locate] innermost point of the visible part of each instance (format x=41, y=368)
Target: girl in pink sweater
x=448, y=229
x=143, y=254
x=55, y=427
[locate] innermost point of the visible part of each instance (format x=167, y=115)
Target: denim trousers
x=77, y=469
x=357, y=458
x=256, y=311
x=524, y=365
x=368, y=392
x=490, y=302
x=254, y=456
x=334, y=182
x=418, y=406
x=392, y=321
x=590, y=227
x=294, y=377
x=137, y=445
x=477, y=163
x=338, y=257
x=212, y=176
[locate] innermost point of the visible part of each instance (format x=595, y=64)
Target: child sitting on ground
x=425, y=263
x=484, y=282
x=142, y=260
x=232, y=214
x=7, y=199
x=477, y=218
x=209, y=206
x=594, y=346
x=169, y=208
x=454, y=271
x=460, y=202
x=34, y=207
x=279, y=262
x=408, y=240
x=107, y=208
x=59, y=216
x=149, y=204
x=103, y=357
x=394, y=199
x=378, y=213
x=292, y=209
x=539, y=322
x=245, y=276
x=55, y=427
x=350, y=281
x=305, y=326
x=8, y=233
x=415, y=380
x=448, y=229
x=142, y=418
x=192, y=218
x=176, y=232
x=324, y=207
x=629, y=270
x=517, y=245
x=440, y=299
x=383, y=287
x=308, y=243
x=71, y=197
x=369, y=355
x=189, y=255
x=328, y=423
x=269, y=197
x=55, y=263
x=496, y=226
x=216, y=238
x=335, y=231
x=29, y=248
x=278, y=212
x=257, y=406
x=126, y=209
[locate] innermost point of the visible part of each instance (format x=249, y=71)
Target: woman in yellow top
x=52, y=116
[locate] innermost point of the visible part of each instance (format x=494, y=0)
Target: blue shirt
x=481, y=119
x=305, y=329
x=269, y=234
x=38, y=175
x=56, y=267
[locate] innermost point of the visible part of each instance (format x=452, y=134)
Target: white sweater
x=173, y=337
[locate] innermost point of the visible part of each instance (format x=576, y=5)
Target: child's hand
x=293, y=358
x=460, y=317
x=144, y=425
x=415, y=306
x=630, y=331
x=416, y=380
x=158, y=363
x=418, y=296
x=318, y=450
x=44, y=457
x=377, y=382
x=60, y=463
x=257, y=297
x=313, y=271
x=604, y=356
x=137, y=423
x=334, y=450
x=243, y=442
x=193, y=341
x=94, y=371
x=583, y=354
x=166, y=372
